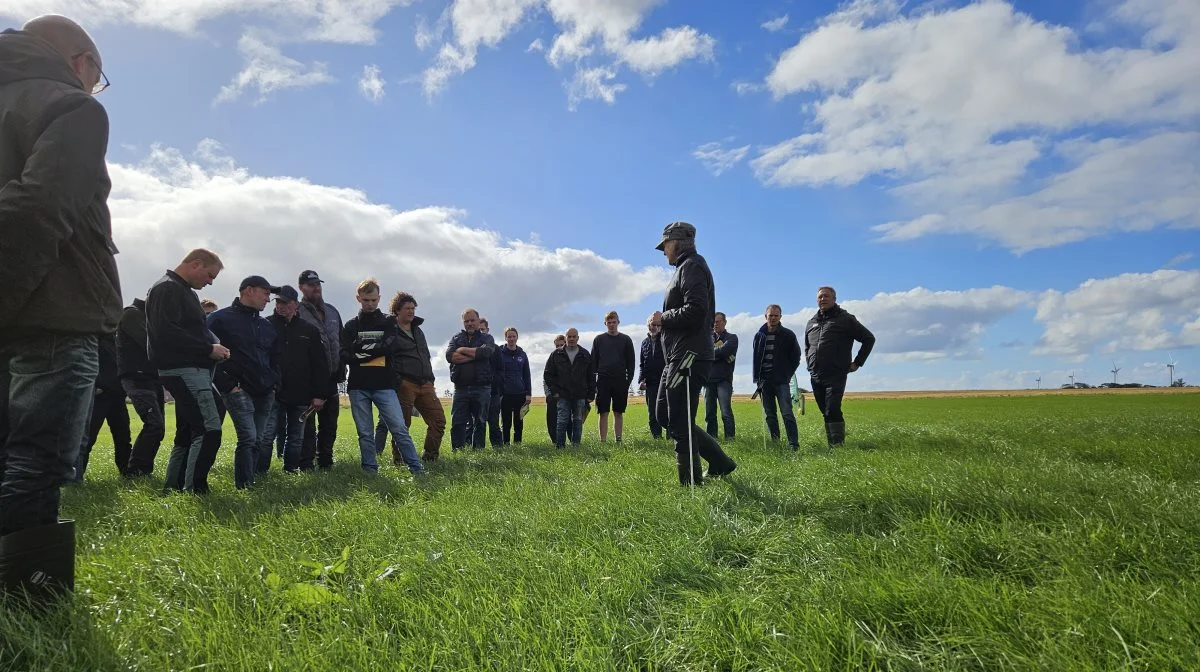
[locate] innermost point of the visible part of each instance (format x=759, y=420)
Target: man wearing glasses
x=61, y=289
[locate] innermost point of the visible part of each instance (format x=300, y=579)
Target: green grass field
x=1038, y=533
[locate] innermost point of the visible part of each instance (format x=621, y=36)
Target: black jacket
x=177, y=334
x=254, y=350
x=829, y=340
x=107, y=379
x=613, y=357
x=481, y=370
x=133, y=362
x=651, y=362
x=412, y=361
x=303, y=367
x=688, y=307
x=567, y=380
x=368, y=344
x=787, y=355
x=328, y=321
x=725, y=357
x=58, y=272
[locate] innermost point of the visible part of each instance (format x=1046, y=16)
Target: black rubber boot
x=837, y=433
x=686, y=472
x=39, y=560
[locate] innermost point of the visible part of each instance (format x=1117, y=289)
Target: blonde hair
x=206, y=257
x=611, y=313
x=367, y=286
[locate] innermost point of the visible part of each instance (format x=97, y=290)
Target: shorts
x=611, y=391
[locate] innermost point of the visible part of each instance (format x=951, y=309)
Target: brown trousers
x=425, y=399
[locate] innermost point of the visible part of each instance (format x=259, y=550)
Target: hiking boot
x=836, y=432
x=39, y=560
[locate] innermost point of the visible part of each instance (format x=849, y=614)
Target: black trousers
x=828, y=391
x=147, y=400
x=652, y=407
x=678, y=405
x=108, y=406
x=510, y=417
x=552, y=417
x=320, y=432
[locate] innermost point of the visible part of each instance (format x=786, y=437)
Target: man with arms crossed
x=720, y=382
x=184, y=351
x=320, y=431
x=776, y=357
x=471, y=355
x=828, y=342
x=60, y=286
x=613, y=361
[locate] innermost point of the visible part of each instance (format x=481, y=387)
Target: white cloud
x=593, y=84
x=717, y=159
x=1179, y=259
x=958, y=107
x=745, y=88
x=425, y=35
x=170, y=203
x=1133, y=311
x=371, y=84
x=775, y=25
x=267, y=70
x=340, y=21
x=599, y=32
x=536, y=45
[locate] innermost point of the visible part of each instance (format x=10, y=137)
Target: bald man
x=60, y=291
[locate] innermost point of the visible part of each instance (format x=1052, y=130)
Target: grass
x=969, y=534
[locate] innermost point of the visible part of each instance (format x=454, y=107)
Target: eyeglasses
x=103, y=82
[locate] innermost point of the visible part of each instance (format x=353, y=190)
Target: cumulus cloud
x=277, y=226
x=717, y=159
x=965, y=109
x=370, y=83
x=267, y=70
x=775, y=25
x=595, y=37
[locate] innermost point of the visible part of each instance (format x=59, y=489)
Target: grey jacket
x=59, y=272
x=328, y=321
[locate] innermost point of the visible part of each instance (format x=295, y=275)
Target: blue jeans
x=470, y=408
x=46, y=389
x=289, y=432
x=570, y=422
x=719, y=392
x=779, y=394
x=250, y=415
x=393, y=416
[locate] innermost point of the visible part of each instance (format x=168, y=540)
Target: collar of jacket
x=832, y=312
x=684, y=256
x=417, y=321
x=140, y=304
x=240, y=307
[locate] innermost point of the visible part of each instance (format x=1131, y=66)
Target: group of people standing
x=70, y=353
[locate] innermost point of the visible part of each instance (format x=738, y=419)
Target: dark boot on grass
x=39, y=561
x=837, y=433
x=687, y=472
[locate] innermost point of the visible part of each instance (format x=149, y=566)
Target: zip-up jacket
x=412, y=361
x=725, y=357
x=651, y=362
x=177, y=334
x=613, y=357
x=368, y=343
x=786, y=359
x=567, y=380
x=688, y=307
x=514, y=371
x=328, y=321
x=59, y=271
x=479, y=371
x=829, y=341
x=303, y=368
x=107, y=379
x=254, y=350
x=132, y=361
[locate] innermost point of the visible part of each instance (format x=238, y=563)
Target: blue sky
x=1000, y=191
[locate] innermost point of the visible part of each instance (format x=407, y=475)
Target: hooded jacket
x=688, y=308
x=59, y=273
x=254, y=348
x=829, y=340
x=131, y=344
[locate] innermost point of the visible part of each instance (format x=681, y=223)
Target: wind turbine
x=1072, y=377
x=1039, y=382
x=1171, y=370
x=1114, y=371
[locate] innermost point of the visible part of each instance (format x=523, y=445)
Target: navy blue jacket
x=254, y=348
x=651, y=361
x=514, y=371
x=726, y=357
x=787, y=355
x=479, y=371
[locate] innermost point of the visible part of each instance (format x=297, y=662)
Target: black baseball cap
x=676, y=231
x=309, y=276
x=287, y=293
x=258, y=281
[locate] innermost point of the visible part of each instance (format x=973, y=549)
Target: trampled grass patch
x=1040, y=532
